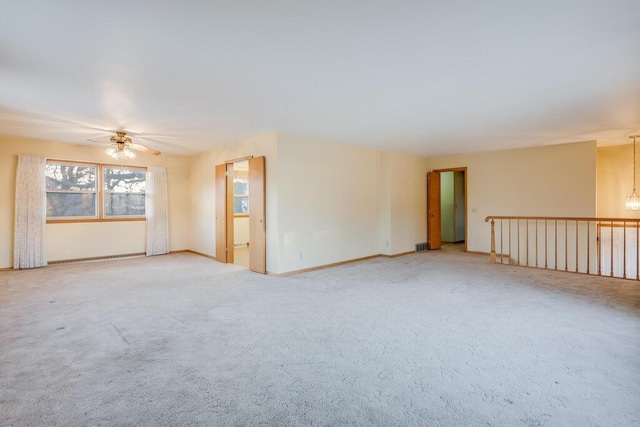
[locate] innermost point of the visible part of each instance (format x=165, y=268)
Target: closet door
x=221, y=213
x=257, y=223
x=224, y=198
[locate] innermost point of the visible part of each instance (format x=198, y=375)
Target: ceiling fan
x=121, y=146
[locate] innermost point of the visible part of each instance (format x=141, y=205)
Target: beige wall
x=327, y=202
x=83, y=240
x=403, y=202
x=558, y=180
x=322, y=200
x=202, y=181
x=615, y=180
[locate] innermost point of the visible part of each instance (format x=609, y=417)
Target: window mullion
x=100, y=197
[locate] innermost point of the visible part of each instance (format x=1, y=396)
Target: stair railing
x=595, y=246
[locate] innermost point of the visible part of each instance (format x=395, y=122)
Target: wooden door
x=221, y=213
x=433, y=211
x=257, y=223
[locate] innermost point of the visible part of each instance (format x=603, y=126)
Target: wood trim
x=199, y=254
x=460, y=169
x=221, y=212
x=563, y=218
x=68, y=221
x=434, y=214
x=466, y=207
x=480, y=253
x=241, y=215
x=257, y=219
x=97, y=258
x=619, y=225
x=239, y=159
x=320, y=267
x=305, y=270
x=7, y=269
x=466, y=198
x=398, y=254
x=336, y=264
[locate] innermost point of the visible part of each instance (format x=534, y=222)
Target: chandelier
x=633, y=201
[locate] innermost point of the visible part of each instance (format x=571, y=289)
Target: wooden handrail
x=594, y=245
x=563, y=218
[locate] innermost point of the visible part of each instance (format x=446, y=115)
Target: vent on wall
x=421, y=247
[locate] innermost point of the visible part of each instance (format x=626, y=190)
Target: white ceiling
x=427, y=77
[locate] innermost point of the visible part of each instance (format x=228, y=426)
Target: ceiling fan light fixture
x=121, y=145
x=120, y=153
x=632, y=202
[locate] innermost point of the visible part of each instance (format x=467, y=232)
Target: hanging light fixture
x=633, y=201
x=120, y=152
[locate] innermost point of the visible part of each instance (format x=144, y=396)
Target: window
x=240, y=198
x=82, y=191
x=123, y=191
x=71, y=190
x=241, y=188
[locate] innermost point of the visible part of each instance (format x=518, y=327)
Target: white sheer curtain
x=156, y=208
x=31, y=213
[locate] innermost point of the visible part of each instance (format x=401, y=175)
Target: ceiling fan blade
x=144, y=149
x=158, y=140
x=98, y=142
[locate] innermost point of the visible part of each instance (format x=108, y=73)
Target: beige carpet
x=436, y=338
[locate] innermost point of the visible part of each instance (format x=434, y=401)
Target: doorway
x=240, y=213
x=241, y=241
x=447, y=208
x=452, y=207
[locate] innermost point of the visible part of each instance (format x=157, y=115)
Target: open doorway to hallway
x=453, y=208
x=447, y=207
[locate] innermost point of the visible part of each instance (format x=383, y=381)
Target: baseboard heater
x=96, y=258
x=421, y=247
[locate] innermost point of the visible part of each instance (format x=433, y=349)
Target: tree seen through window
x=73, y=190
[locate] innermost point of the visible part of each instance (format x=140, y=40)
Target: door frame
x=221, y=213
x=434, y=207
x=466, y=199
x=225, y=216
